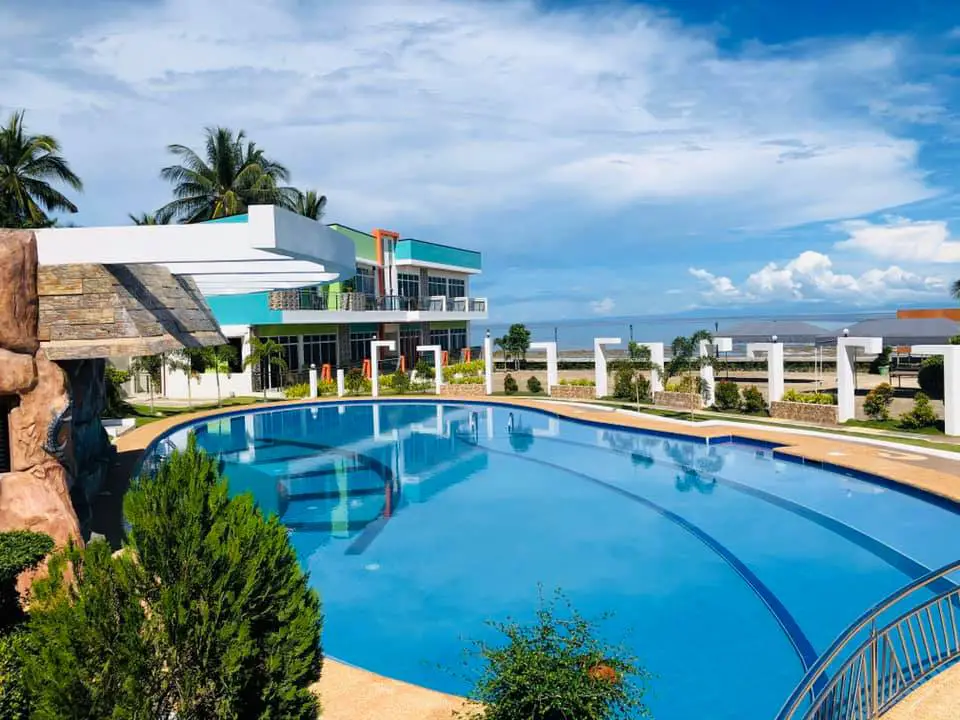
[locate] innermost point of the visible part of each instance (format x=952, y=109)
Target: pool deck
x=349, y=693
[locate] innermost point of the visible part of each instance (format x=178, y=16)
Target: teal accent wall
x=232, y=219
x=248, y=309
x=364, y=327
x=410, y=249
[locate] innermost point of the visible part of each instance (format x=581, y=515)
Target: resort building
x=403, y=289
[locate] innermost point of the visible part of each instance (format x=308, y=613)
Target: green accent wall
x=411, y=249
x=296, y=329
x=365, y=244
x=247, y=309
x=448, y=325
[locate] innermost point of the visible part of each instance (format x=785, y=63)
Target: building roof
x=787, y=331
x=901, y=331
x=95, y=311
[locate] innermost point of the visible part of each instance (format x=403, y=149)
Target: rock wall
x=574, y=392
x=35, y=495
x=462, y=390
x=683, y=401
x=804, y=412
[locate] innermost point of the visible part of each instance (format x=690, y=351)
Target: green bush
x=206, y=614
x=510, y=385
x=753, y=401
x=578, y=382
x=876, y=404
x=921, y=416
x=930, y=377
x=813, y=398
x=474, y=367
x=534, y=386
x=556, y=668
x=727, y=396
x=19, y=550
x=424, y=370
x=355, y=383
x=14, y=699
x=401, y=382
x=327, y=387
x=880, y=361
x=115, y=403
x=467, y=380
x=297, y=392
x=686, y=384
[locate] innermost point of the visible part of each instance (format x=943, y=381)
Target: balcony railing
x=311, y=299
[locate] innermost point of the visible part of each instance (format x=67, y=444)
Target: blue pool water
x=728, y=571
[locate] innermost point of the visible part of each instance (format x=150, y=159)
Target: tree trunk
x=216, y=371
x=189, y=389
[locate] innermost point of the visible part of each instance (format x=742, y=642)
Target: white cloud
x=901, y=240
x=430, y=111
x=603, y=307
x=811, y=276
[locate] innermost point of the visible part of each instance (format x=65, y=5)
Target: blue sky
x=608, y=158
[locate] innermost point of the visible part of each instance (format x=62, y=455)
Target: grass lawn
x=143, y=414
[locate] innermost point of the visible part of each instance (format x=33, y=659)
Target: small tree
x=753, y=402
x=515, y=344
x=183, y=360
x=556, y=668
x=534, y=385
x=219, y=358
x=265, y=353
x=876, y=404
x=921, y=416
x=510, y=385
x=685, y=358
x=152, y=367
x=727, y=396
x=354, y=381
x=401, y=382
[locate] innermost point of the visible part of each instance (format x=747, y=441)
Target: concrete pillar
x=553, y=376
x=600, y=363
x=437, y=362
x=341, y=383
x=951, y=383
x=375, y=346
x=774, y=352
x=488, y=362
x=656, y=359
x=847, y=348
x=313, y=381
x=706, y=372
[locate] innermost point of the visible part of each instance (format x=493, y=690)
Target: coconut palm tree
x=264, y=353
x=30, y=165
x=232, y=175
x=146, y=219
x=311, y=205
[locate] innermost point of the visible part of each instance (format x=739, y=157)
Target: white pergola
x=552, y=374
x=437, y=362
x=847, y=349
x=656, y=359
x=723, y=344
x=774, y=353
x=488, y=363
x=269, y=249
x=375, y=346
x=600, y=363
x=951, y=383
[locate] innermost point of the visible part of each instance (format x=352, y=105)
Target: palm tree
x=955, y=290
x=311, y=205
x=220, y=357
x=182, y=361
x=152, y=367
x=232, y=175
x=146, y=219
x=29, y=166
x=265, y=352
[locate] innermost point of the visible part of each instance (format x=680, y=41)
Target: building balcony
x=322, y=306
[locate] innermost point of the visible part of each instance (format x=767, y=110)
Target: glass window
x=320, y=350
x=360, y=346
x=436, y=285
x=364, y=280
x=441, y=338
x=456, y=287
x=408, y=285
x=458, y=339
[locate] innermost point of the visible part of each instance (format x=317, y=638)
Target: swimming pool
x=728, y=571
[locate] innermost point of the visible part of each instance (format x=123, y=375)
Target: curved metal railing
x=889, y=663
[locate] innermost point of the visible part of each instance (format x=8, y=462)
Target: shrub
x=753, y=401
x=814, y=398
x=468, y=380
x=727, y=396
x=510, y=385
x=686, y=384
x=424, y=369
x=930, y=377
x=115, y=404
x=534, y=385
x=206, y=614
x=877, y=403
x=921, y=416
x=297, y=392
x=355, y=383
x=623, y=387
x=400, y=382
x=556, y=667
x=474, y=367
x=578, y=382
x=880, y=361
x=327, y=387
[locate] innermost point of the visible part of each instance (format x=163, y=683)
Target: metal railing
x=314, y=299
x=893, y=659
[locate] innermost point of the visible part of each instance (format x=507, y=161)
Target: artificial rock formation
x=35, y=495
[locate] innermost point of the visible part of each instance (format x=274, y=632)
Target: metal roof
x=787, y=331
x=900, y=331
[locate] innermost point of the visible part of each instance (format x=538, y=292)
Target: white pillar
x=600, y=363
x=341, y=389
x=706, y=373
x=375, y=346
x=437, y=362
x=656, y=359
x=847, y=348
x=488, y=362
x=553, y=377
x=951, y=383
x=313, y=381
x=774, y=351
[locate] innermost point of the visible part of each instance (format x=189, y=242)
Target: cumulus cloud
x=603, y=307
x=811, y=276
x=901, y=240
x=430, y=111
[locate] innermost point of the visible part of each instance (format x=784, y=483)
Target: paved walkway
x=352, y=694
